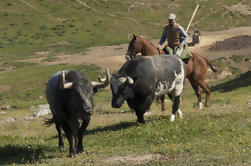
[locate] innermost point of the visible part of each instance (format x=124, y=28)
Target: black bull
x=141, y=79
x=69, y=95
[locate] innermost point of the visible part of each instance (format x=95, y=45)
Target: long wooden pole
x=192, y=17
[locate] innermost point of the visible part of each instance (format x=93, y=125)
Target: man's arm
x=163, y=37
x=183, y=34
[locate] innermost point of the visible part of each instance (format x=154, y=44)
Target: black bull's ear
x=95, y=90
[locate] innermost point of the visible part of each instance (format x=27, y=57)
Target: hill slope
x=73, y=25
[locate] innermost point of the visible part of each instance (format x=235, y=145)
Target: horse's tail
x=49, y=122
x=209, y=64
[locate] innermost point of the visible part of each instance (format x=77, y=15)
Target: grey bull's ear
x=129, y=80
x=64, y=85
x=103, y=82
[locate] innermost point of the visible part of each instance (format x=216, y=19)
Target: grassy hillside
x=217, y=135
x=72, y=26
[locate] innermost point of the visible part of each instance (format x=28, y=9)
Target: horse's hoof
x=200, y=106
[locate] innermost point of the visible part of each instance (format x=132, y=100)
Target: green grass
x=28, y=82
x=237, y=59
x=218, y=135
x=26, y=29
x=221, y=138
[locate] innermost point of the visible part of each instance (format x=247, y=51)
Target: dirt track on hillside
x=212, y=45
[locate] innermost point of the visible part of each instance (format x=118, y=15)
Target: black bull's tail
x=209, y=64
x=49, y=122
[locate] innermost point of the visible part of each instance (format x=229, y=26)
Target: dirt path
x=113, y=57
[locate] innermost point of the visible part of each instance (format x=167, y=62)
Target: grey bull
x=141, y=79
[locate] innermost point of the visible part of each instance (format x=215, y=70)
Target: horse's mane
x=146, y=41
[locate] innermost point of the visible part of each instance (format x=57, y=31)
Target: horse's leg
x=162, y=98
x=197, y=91
x=204, y=85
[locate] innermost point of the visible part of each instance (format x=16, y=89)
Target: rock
x=8, y=120
x=32, y=108
x=249, y=103
x=226, y=72
x=2, y=112
x=5, y=108
x=41, y=97
x=132, y=7
x=42, y=110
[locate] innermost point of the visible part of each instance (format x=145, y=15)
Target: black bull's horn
x=102, y=84
x=103, y=81
x=64, y=85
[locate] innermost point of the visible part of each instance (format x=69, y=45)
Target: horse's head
x=133, y=48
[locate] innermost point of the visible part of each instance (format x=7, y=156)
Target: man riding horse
x=176, y=37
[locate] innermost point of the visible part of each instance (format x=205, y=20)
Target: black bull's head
x=81, y=90
x=120, y=87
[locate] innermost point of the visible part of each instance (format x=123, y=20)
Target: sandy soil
x=113, y=57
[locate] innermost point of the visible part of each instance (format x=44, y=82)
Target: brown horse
x=196, y=67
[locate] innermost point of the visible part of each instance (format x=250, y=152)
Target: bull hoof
x=180, y=114
x=206, y=105
x=172, y=117
x=80, y=151
x=141, y=122
x=72, y=155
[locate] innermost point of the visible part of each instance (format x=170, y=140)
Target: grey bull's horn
x=64, y=85
x=103, y=81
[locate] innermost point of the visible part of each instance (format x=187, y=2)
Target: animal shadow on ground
x=243, y=80
x=113, y=127
x=19, y=154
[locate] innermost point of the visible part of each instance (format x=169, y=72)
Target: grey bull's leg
x=175, y=107
x=140, y=116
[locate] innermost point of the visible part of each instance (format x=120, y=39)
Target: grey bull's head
x=120, y=90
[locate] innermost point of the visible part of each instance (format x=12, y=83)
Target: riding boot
x=186, y=60
x=165, y=50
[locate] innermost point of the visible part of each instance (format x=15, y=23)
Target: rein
x=158, y=50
